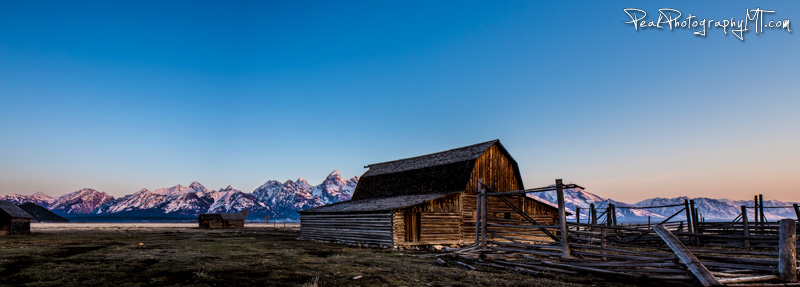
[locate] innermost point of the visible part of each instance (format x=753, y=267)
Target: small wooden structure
x=222, y=220
x=13, y=220
x=427, y=200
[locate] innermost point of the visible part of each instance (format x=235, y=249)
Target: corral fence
x=713, y=253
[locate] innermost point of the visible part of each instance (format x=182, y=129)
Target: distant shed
x=222, y=220
x=426, y=200
x=13, y=220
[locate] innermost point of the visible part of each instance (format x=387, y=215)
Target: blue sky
x=118, y=96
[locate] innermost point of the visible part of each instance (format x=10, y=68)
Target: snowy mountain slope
x=289, y=197
x=335, y=189
x=83, y=201
x=38, y=198
x=575, y=197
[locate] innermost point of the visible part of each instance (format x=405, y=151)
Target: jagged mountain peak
x=196, y=185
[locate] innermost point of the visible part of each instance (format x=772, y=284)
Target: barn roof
x=466, y=153
x=13, y=210
x=445, y=171
x=376, y=204
x=224, y=216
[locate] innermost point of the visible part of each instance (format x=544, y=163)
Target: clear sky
x=121, y=95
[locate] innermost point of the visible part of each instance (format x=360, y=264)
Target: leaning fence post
x=787, y=250
x=796, y=211
x=746, y=227
x=688, y=215
x=562, y=217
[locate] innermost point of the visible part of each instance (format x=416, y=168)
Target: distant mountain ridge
x=709, y=208
x=274, y=199
x=283, y=199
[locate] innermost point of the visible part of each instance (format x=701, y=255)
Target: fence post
x=478, y=215
x=593, y=213
x=688, y=216
x=562, y=217
x=613, y=213
x=796, y=211
x=483, y=213
x=603, y=242
x=755, y=207
x=746, y=226
x=761, y=206
x=787, y=250
x=578, y=214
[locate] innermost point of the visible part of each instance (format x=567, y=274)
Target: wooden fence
x=711, y=253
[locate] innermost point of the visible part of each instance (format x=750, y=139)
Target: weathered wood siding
x=499, y=173
x=370, y=228
x=15, y=226
x=435, y=228
x=440, y=221
x=221, y=223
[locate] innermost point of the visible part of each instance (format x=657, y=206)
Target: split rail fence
x=711, y=253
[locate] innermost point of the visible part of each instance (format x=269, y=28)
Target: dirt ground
x=142, y=254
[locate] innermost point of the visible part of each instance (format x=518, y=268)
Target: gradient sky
x=121, y=95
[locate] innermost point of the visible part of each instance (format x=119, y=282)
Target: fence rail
x=713, y=253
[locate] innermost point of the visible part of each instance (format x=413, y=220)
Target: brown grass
x=259, y=256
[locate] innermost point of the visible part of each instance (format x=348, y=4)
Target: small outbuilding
x=13, y=220
x=222, y=220
x=427, y=200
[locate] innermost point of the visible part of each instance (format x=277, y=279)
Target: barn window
x=507, y=215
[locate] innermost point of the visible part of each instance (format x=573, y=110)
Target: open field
x=163, y=254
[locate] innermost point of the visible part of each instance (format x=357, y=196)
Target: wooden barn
x=222, y=220
x=427, y=200
x=13, y=220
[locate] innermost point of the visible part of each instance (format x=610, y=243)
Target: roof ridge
x=434, y=153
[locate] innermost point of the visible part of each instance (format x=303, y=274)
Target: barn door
x=412, y=226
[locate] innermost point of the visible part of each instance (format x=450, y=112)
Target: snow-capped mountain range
x=275, y=199
x=283, y=199
x=709, y=208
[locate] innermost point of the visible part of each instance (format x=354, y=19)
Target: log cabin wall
x=5, y=227
x=440, y=222
x=370, y=228
x=15, y=226
x=499, y=172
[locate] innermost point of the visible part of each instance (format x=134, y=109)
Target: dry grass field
x=145, y=254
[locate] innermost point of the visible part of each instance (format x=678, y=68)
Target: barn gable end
x=424, y=200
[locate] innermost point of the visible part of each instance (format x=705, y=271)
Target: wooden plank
x=787, y=251
x=748, y=279
x=746, y=226
x=698, y=269
x=562, y=218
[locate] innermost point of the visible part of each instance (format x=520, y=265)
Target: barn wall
x=439, y=219
x=435, y=228
x=498, y=172
x=371, y=228
x=9, y=226
x=20, y=226
x=5, y=226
